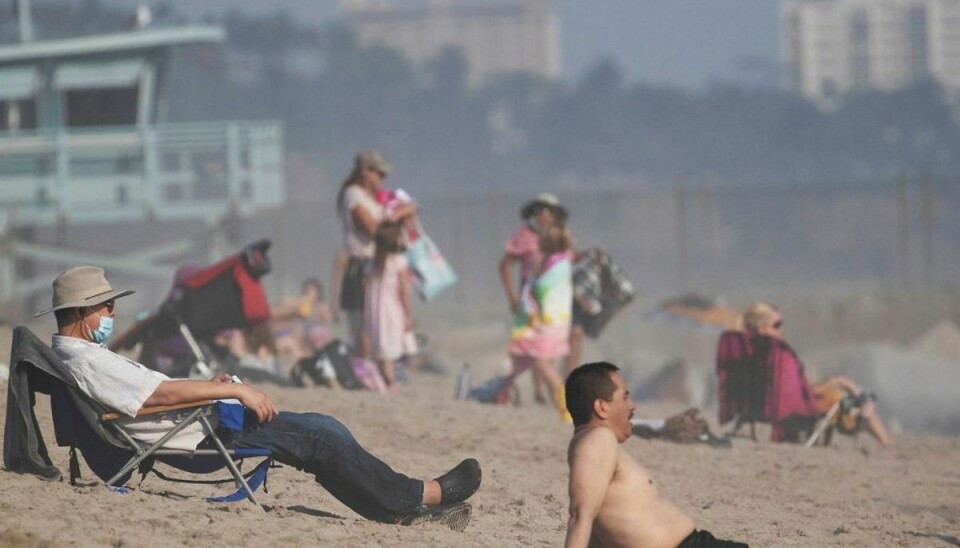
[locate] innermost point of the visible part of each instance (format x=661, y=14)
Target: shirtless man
x=613, y=500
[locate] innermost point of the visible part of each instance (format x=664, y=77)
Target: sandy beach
x=850, y=494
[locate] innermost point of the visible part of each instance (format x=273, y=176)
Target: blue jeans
x=322, y=446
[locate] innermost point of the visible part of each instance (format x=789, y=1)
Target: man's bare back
x=631, y=512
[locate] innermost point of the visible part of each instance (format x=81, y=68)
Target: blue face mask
x=103, y=331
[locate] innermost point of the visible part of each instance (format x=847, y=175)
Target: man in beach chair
x=111, y=453
x=84, y=301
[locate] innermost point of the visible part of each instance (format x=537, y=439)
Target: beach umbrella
x=694, y=311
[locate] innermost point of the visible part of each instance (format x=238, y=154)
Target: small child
x=387, y=312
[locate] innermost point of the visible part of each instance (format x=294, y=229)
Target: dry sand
x=849, y=494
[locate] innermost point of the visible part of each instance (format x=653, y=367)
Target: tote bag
x=432, y=272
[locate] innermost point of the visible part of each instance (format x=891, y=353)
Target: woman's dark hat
x=544, y=199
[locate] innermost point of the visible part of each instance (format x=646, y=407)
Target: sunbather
x=765, y=319
x=613, y=500
x=84, y=301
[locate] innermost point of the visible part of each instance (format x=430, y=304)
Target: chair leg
x=230, y=464
x=822, y=426
x=153, y=448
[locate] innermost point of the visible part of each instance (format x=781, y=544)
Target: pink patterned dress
x=383, y=309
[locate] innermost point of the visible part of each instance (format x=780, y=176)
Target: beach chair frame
x=111, y=432
x=70, y=406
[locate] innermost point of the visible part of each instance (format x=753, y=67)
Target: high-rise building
x=498, y=36
x=832, y=47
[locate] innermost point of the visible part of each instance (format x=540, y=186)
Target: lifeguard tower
x=83, y=141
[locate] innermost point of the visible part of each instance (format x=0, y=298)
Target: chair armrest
x=157, y=409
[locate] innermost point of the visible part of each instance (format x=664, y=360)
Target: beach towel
x=601, y=290
x=541, y=326
x=761, y=379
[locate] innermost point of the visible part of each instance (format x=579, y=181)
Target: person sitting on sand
x=84, y=302
x=295, y=316
x=765, y=319
x=613, y=500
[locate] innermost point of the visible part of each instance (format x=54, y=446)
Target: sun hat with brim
x=372, y=159
x=544, y=199
x=82, y=286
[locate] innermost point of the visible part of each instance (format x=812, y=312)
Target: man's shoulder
x=594, y=438
x=72, y=349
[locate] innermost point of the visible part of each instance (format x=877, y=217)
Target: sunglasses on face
x=109, y=304
x=778, y=324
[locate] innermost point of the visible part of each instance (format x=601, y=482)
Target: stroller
x=178, y=339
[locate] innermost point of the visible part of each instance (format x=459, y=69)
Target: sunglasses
x=538, y=209
x=110, y=304
x=778, y=324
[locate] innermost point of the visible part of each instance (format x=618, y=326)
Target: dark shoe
x=459, y=484
x=710, y=439
x=455, y=516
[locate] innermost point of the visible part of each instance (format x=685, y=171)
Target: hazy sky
x=680, y=42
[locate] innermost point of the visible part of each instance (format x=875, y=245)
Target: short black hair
x=585, y=385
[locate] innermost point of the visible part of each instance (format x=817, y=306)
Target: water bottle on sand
x=463, y=383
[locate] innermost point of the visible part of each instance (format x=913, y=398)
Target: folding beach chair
x=109, y=450
x=761, y=379
x=201, y=303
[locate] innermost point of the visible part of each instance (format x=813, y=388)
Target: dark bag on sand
x=685, y=427
x=351, y=287
x=336, y=354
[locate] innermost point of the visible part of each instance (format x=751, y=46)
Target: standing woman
x=361, y=215
x=523, y=249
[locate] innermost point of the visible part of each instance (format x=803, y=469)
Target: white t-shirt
x=355, y=241
x=124, y=385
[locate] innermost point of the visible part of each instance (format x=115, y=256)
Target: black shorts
x=703, y=539
x=351, y=286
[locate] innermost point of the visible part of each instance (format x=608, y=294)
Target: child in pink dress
x=387, y=312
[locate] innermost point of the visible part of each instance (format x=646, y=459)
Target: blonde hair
x=759, y=314
x=554, y=239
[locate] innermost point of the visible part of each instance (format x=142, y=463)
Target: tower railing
x=169, y=171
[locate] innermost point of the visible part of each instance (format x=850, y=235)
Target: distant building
x=831, y=47
x=498, y=36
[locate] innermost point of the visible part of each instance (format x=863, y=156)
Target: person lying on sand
x=613, y=500
x=84, y=302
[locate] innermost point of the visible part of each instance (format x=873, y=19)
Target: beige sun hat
x=82, y=286
x=372, y=159
x=544, y=199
